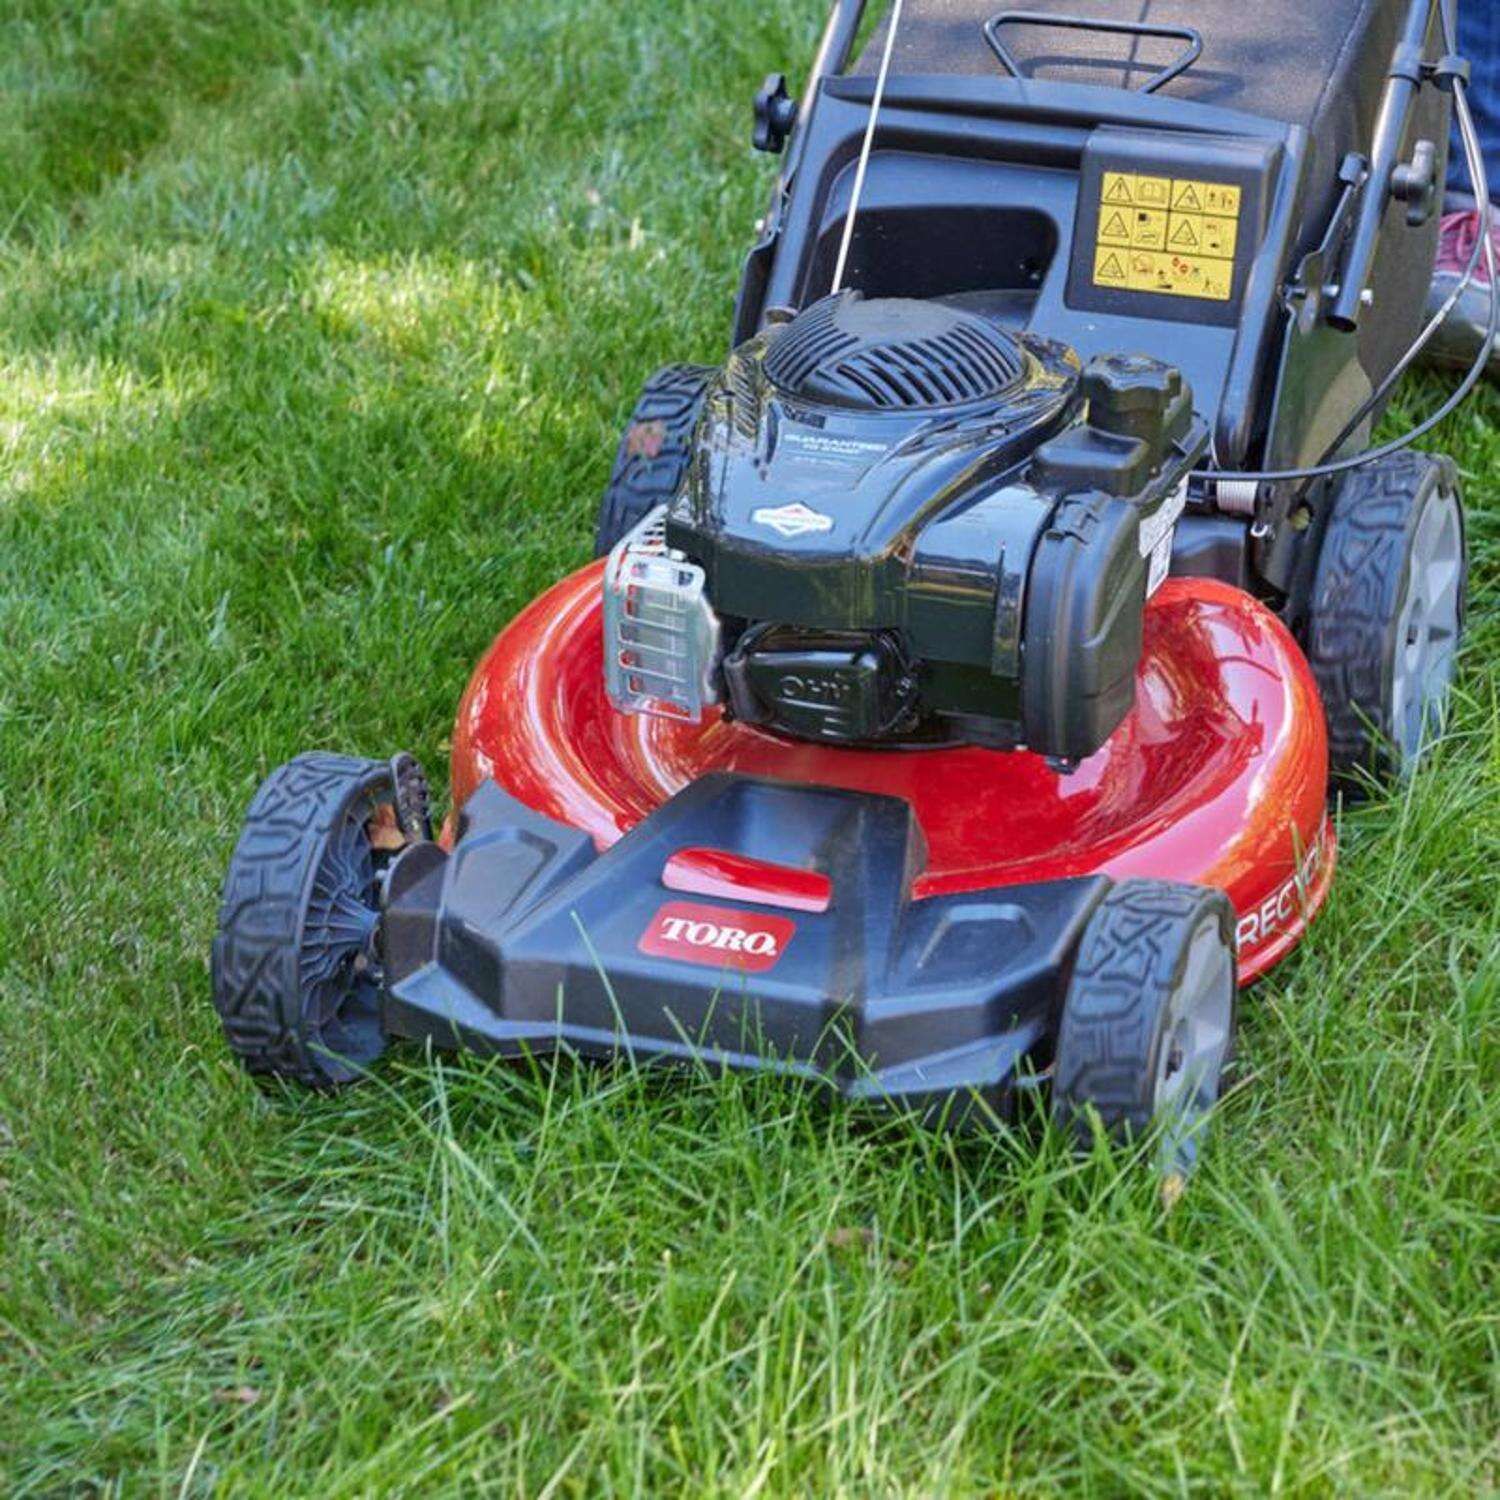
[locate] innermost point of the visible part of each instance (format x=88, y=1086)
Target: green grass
x=316, y=325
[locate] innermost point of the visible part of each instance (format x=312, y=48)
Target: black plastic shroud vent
x=892, y=354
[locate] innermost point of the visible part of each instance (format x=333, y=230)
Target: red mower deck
x=1218, y=776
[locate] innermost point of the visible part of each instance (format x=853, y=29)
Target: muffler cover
x=661, y=636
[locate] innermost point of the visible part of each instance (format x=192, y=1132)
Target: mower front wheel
x=1148, y=1019
x=654, y=451
x=296, y=963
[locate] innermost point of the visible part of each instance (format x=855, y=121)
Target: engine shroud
x=871, y=492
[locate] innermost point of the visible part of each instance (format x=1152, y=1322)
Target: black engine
x=903, y=524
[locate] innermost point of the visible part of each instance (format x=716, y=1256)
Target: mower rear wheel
x=653, y=455
x=1148, y=1020
x=296, y=964
x=1387, y=613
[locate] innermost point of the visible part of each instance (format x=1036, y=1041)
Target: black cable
x=1484, y=246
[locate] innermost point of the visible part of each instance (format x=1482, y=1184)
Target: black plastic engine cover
x=807, y=512
x=873, y=498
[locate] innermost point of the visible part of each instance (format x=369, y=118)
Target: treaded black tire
x=654, y=451
x=270, y=975
x=1362, y=574
x=1132, y=956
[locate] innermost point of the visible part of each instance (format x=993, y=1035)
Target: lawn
x=317, y=323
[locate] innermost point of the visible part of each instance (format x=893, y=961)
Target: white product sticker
x=1161, y=563
x=1164, y=522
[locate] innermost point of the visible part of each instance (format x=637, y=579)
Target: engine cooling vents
x=892, y=354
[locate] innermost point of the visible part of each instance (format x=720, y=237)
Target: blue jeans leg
x=1479, y=41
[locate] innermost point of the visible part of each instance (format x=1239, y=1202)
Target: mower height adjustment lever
x=775, y=115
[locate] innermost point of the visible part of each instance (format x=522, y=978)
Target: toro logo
x=717, y=937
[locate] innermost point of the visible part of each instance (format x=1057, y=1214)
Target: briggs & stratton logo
x=717, y=937
x=793, y=520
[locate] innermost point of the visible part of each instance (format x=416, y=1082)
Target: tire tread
x=1356, y=603
x=639, y=481
x=1130, y=957
x=256, y=959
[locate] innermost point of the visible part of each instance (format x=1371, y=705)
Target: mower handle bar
x=1402, y=86
x=1174, y=69
x=838, y=40
x=844, y=20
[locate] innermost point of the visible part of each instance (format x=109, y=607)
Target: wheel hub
x=339, y=943
x=1195, y=1046
x=1427, y=628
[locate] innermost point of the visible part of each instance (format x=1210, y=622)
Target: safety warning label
x=1172, y=236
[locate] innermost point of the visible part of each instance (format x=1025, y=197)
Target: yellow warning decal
x=1149, y=229
x=1112, y=268
x=1153, y=192
x=1189, y=197
x=1172, y=236
x=1218, y=198
x=1219, y=236
x=1175, y=275
x=1184, y=236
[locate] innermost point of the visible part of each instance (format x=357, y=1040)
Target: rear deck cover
x=1320, y=65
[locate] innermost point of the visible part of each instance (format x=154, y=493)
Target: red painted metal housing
x=723, y=873
x=1218, y=776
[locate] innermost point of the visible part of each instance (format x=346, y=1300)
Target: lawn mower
x=951, y=710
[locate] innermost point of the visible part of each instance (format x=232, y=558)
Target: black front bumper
x=525, y=940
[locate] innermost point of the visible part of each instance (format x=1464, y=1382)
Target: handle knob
x=775, y=115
